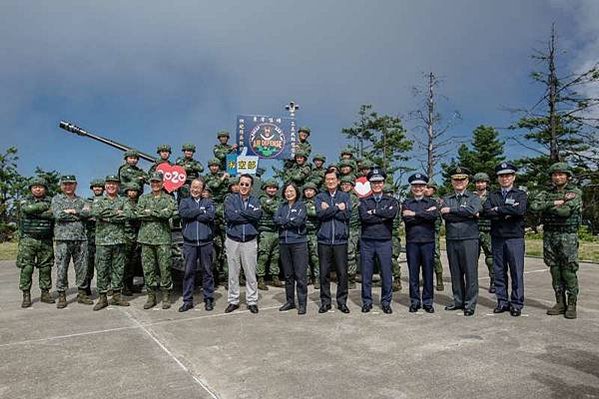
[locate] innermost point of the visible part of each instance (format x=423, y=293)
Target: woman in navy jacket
x=293, y=247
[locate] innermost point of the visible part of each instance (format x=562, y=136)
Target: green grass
x=8, y=250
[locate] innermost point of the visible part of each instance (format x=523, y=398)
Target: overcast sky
x=147, y=72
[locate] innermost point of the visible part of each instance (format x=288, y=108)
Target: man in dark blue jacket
x=333, y=209
x=377, y=213
x=506, y=208
x=197, y=215
x=242, y=213
x=420, y=214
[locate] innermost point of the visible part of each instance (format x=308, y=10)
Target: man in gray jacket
x=460, y=210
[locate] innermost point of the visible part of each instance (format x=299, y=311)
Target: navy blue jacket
x=507, y=221
x=334, y=223
x=421, y=227
x=291, y=222
x=242, y=217
x=198, y=220
x=377, y=217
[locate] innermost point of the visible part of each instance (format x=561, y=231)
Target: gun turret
x=69, y=127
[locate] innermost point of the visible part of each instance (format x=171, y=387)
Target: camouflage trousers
x=484, y=244
x=63, y=253
x=353, y=252
x=91, y=260
x=438, y=265
x=132, y=262
x=34, y=253
x=156, y=261
x=110, y=267
x=396, y=270
x=268, y=254
x=560, y=253
x=219, y=258
x=313, y=262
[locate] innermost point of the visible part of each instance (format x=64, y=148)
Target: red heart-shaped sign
x=173, y=176
x=362, y=187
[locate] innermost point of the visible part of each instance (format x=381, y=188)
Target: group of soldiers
x=120, y=232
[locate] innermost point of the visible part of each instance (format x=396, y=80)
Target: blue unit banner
x=268, y=137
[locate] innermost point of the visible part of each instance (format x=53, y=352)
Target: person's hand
x=324, y=206
x=559, y=203
x=445, y=210
x=569, y=196
x=409, y=212
x=234, y=146
x=432, y=208
x=71, y=211
x=341, y=206
x=225, y=176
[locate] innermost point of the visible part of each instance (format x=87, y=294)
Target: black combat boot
x=571, y=309
x=26, y=299
x=560, y=304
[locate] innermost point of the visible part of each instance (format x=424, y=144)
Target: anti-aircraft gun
x=177, y=237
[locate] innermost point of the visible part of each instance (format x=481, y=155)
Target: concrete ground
x=136, y=353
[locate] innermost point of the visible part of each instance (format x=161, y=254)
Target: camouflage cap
x=233, y=181
x=301, y=153
x=561, y=167
x=388, y=189
x=270, y=183
x=188, y=147
x=163, y=147
x=131, y=153
x=345, y=162
x=223, y=133
x=156, y=176
x=132, y=187
x=367, y=164
x=38, y=181
x=320, y=157
x=348, y=151
x=481, y=176
x=309, y=185
x=112, y=179
x=348, y=179
x=214, y=161
x=432, y=184
x=68, y=179
x=96, y=183
x=304, y=129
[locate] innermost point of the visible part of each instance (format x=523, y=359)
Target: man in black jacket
x=197, y=214
x=506, y=208
x=377, y=213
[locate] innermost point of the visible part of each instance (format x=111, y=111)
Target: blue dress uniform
x=377, y=213
x=506, y=208
x=420, y=245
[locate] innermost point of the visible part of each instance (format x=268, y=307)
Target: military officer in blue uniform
x=420, y=214
x=377, y=213
x=506, y=208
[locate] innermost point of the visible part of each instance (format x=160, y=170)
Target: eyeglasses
x=244, y=184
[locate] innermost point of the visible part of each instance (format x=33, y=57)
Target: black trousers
x=294, y=258
x=333, y=256
x=191, y=254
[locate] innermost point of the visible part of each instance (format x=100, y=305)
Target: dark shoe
x=301, y=310
x=316, y=284
x=83, y=298
x=262, y=284
x=324, y=308
x=253, y=308
x=46, y=297
x=571, y=309
x=414, y=308
x=515, y=312
x=186, y=306
x=118, y=300
x=127, y=291
x=287, y=306
x=560, y=305
x=387, y=309
x=209, y=304
x=88, y=291
x=492, y=287
x=62, y=300
x=231, y=308
x=151, y=301
x=343, y=308
x=468, y=312
x=366, y=308
x=453, y=307
x=166, y=300
x=102, y=302
x=501, y=309
x=428, y=309
x=277, y=283
x=26, y=299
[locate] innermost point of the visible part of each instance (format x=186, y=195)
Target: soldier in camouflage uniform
x=164, y=152
x=303, y=145
x=97, y=187
x=257, y=185
x=35, y=243
x=346, y=169
x=388, y=189
x=348, y=154
x=365, y=167
x=312, y=223
x=132, y=250
x=560, y=211
x=431, y=191
x=353, y=242
x=222, y=149
x=318, y=171
x=154, y=210
x=481, y=182
x=192, y=167
x=217, y=184
x=268, y=241
x=300, y=171
x=111, y=213
x=129, y=172
x=70, y=238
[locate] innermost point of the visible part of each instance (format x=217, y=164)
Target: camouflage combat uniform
x=484, y=227
x=353, y=241
x=132, y=249
x=218, y=186
x=268, y=241
x=90, y=229
x=131, y=174
x=221, y=151
x=193, y=169
x=298, y=174
x=312, y=224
